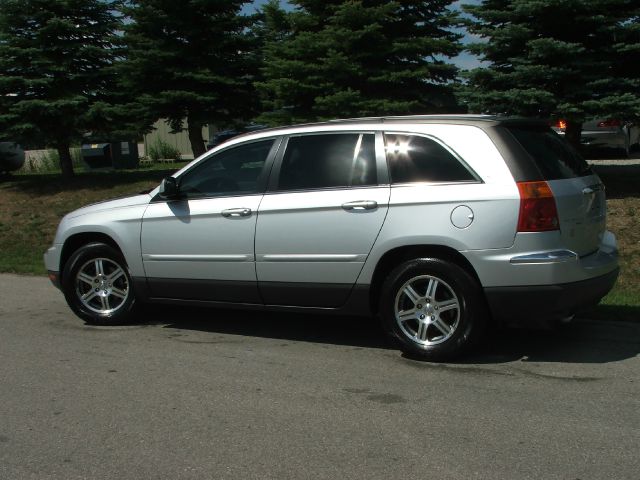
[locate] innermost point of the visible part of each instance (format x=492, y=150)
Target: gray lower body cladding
x=535, y=305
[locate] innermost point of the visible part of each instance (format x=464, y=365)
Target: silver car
x=435, y=224
x=599, y=135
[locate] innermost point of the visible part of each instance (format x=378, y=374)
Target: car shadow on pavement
x=307, y=327
x=581, y=341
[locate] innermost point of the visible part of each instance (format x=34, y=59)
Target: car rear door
x=326, y=203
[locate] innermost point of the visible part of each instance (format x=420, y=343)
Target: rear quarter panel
x=420, y=213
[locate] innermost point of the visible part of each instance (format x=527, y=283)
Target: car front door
x=319, y=219
x=200, y=246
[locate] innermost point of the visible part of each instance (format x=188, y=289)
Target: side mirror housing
x=169, y=188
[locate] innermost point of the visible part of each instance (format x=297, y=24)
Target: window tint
x=231, y=172
x=413, y=158
x=331, y=160
x=555, y=158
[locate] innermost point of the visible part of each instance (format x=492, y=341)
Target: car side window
x=234, y=171
x=328, y=160
x=413, y=158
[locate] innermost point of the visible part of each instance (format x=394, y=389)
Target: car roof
x=481, y=121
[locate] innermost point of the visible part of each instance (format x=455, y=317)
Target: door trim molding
x=196, y=258
x=315, y=257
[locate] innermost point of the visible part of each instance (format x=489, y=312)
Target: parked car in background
x=435, y=224
x=224, y=135
x=613, y=135
x=11, y=157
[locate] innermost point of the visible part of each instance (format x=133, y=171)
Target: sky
x=465, y=60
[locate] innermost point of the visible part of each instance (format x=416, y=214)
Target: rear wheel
x=97, y=285
x=432, y=308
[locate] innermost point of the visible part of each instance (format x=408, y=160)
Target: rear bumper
x=536, y=305
x=534, y=259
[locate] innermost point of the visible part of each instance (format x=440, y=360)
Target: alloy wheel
x=102, y=286
x=427, y=310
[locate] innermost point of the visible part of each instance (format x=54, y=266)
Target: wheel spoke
x=431, y=289
x=116, y=274
x=118, y=293
x=85, y=278
x=448, y=305
x=406, y=315
x=412, y=294
x=99, y=267
x=421, y=334
x=441, y=325
x=89, y=295
x=105, y=302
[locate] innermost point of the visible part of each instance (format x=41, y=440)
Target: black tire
x=452, y=313
x=99, y=295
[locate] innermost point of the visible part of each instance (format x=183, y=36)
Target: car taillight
x=538, y=212
x=609, y=123
x=561, y=124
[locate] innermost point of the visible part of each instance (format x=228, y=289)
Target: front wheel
x=432, y=308
x=97, y=285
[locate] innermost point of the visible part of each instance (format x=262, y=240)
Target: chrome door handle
x=236, y=212
x=360, y=205
x=587, y=191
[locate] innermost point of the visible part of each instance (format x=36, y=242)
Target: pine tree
x=55, y=68
x=358, y=58
x=191, y=60
x=555, y=58
x=271, y=23
x=622, y=89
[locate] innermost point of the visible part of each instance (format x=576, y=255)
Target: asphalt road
x=232, y=395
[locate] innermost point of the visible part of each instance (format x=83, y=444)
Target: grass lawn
x=32, y=205
x=623, y=205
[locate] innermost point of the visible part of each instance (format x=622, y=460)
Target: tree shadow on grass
x=621, y=181
x=49, y=184
x=621, y=313
x=582, y=341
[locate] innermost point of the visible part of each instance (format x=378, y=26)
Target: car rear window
x=413, y=158
x=555, y=158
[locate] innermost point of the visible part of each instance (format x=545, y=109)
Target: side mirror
x=169, y=188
